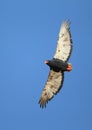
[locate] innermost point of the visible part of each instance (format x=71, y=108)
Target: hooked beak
x=46, y=62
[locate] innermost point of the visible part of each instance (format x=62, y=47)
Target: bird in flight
x=58, y=65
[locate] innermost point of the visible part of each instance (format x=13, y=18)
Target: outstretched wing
x=64, y=43
x=53, y=85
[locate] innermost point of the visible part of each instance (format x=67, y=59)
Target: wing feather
x=64, y=43
x=53, y=85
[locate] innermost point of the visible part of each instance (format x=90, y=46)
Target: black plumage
x=57, y=64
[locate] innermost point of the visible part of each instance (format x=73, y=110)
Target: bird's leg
x=69, y=68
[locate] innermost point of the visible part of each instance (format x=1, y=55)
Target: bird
x=58, y=64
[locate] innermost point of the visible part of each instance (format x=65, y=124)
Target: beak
x=46, y=62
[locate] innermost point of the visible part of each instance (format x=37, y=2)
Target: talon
x=69, y=68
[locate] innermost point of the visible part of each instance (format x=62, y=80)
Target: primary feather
x=53, y=85
x=64, y=43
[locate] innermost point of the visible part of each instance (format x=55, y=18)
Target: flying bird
x=58, y=65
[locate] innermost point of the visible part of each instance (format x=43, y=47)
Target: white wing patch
x=52, y=87
x=64, y=43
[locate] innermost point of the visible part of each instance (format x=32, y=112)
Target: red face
x=46, y=62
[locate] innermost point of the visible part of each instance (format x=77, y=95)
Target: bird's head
x=46, y=61
x=49, y=63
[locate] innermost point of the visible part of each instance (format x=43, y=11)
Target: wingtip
x=66, y=23
x=42, y=103
x=64, y=26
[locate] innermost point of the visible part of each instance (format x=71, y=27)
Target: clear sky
x=28, y=34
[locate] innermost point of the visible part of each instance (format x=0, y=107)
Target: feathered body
x=58, y=65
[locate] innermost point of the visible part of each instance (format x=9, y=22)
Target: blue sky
x=28, y=34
